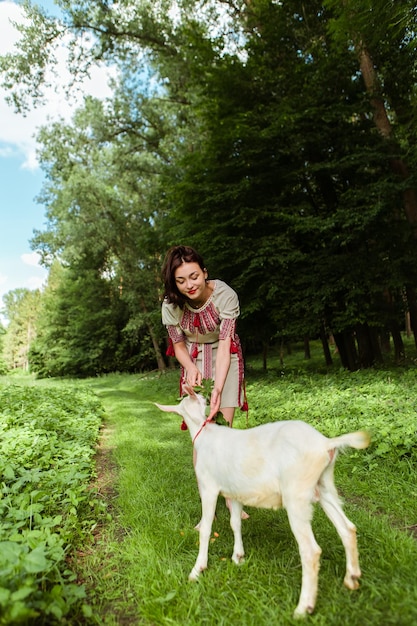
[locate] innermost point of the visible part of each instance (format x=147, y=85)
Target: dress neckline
x=207, y=302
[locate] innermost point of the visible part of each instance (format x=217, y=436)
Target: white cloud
x=8, y=11
x=35, y=282
x=18, y=276
x=17, y=133
x=31, y=258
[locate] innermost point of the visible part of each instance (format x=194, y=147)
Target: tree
x=262, y=120
x=101, y=217
x=81, y=327
x=382, y=35
x=3, y=364
x=292, y=183
x=21, y=309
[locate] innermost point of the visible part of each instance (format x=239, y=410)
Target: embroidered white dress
x=201, y=329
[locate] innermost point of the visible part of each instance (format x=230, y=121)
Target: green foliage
x=205, y=389
x=21, y=308
x=143, y=576
x=48, y=438
x=3, y=364
x=381, y=402
x=293, y=184
x=81, y=328
x=250, y=131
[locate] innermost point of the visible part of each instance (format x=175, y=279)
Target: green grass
x=151, y=546
x=47, y=439
x=135, y=570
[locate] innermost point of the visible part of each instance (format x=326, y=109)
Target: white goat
x=282, y=464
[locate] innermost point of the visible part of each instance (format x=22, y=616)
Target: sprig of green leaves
x=205, y=389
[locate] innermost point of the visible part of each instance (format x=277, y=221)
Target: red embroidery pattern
x=176, y=334
x=206, y=321
x=208, y=361
x=201, y=323
x=227, y=329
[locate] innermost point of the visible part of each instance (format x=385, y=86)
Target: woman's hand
x=215, y=399
x=193, y=376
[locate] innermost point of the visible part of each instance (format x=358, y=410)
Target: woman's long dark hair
x=176, y=256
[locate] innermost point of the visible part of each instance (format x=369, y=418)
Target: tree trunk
x=368, y=346
x=399, y=352
x=158, y=354
x=412, y=308
x=265, y=355
x=307, y=352
x=281, y=354
x=385, y=341
x=376, y=344
x=325, y=344
x=155, y=343
x=383, y=124
x=347, y=350
x=365, y=352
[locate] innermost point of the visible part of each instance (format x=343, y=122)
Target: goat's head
x=192, y=408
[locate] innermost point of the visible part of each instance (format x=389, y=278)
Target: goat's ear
x=189, y=390
x=168, y=408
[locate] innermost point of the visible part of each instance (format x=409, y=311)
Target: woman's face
x=191, y=281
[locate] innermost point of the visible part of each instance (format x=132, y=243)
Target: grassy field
x=135, y=566
x=146, y=555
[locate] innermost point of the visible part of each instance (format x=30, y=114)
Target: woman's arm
x=222, y=369
x=192, y=373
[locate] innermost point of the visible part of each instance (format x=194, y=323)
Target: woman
x=200, y=316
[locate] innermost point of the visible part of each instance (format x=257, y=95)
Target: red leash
x=206, y=421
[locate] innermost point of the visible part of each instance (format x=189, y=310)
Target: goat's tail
x=359, y=440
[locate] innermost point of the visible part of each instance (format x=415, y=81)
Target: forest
x=278, y=137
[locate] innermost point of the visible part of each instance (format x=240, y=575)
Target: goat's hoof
x=238, y=559
x=352, y=582
x=302, y=612
x=195, y=573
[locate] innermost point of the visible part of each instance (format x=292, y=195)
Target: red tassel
x=184, y=426
x=244, y=407
x=170, y=350
x=233, y=348
x=195, y=352
x=197, y=322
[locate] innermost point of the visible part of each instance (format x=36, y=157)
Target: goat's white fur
x=281, y=464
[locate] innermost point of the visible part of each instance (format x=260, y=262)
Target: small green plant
x=47, y=438
x=205, y=389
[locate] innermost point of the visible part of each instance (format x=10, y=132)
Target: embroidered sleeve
x=226, y=301
x=227, y=328
x=171, y=317
x=175, y=333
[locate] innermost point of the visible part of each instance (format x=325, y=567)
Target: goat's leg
x=299, y=515
x=346, y=530
x=208, y=503
x=236, y=525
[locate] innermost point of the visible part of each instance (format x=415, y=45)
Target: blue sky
x=20, y=182
x=20, y=215
x=21, y=178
